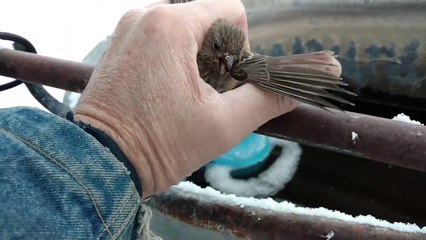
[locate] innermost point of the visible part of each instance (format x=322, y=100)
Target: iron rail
x=257, y=223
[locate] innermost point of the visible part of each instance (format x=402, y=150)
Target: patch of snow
x=212, y=195
x=404, y=118
x=329, y=235
x=267, y=183
x=355, y=136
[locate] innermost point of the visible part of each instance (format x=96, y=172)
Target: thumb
x=249, y=107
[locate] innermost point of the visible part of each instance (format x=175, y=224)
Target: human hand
x=147, y=95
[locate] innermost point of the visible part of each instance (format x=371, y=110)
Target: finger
x=243, y=24
x=249, y=107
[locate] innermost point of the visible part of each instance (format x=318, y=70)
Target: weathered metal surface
x=53, y=72
x=379, y=139
x=256, y=223
x=171, y=228
x=380, y=44
x=357, y=187
x=306, y=124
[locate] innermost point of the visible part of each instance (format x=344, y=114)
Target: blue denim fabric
x=58, y=182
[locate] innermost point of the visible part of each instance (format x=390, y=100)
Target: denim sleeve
x=59, y=182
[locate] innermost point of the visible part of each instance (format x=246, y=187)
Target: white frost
x=404, y=118
x=212, y=195
x=354, y=136
x=329, y=235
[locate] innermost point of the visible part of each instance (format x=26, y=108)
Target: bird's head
x=224, y=44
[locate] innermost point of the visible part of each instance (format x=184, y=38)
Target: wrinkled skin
x=147, y=93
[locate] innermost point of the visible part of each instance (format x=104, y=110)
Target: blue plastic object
x=252, y=150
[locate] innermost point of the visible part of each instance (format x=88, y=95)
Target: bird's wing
x=310, y=78
x=251, y=67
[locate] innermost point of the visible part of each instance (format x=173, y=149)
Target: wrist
x=112, y=146
x=134, y=146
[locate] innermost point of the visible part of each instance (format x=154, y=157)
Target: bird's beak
x=225, y=63
x=229, y=62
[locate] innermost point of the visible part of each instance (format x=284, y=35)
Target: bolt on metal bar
x=374, y=138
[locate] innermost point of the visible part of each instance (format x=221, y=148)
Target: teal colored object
x=252, y=150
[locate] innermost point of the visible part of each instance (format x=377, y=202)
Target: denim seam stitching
x=106, y=226
x=132, y=212
x=120, y=229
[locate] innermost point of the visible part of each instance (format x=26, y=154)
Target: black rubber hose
x=10, y=85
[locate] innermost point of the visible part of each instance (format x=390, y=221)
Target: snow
x=212, y=195
x=329, y=235
x=404, y=118
x=267, y=183
x=355, y=136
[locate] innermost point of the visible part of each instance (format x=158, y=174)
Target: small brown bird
x=224, y=64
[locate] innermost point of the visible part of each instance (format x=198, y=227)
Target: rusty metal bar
x=380, y=139
x=256, y=223
x=384, y=140
x=53, y=72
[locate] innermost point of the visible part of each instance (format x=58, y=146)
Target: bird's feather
x=308, y=78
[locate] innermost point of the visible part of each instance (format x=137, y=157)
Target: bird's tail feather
x=312, y=78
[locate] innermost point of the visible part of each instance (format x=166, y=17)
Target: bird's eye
x=216, y=46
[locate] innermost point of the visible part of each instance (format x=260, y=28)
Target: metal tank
x=380, y=44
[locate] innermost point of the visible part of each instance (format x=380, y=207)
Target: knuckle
x=159, y=12
x=159, y=19
x=131, y=15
